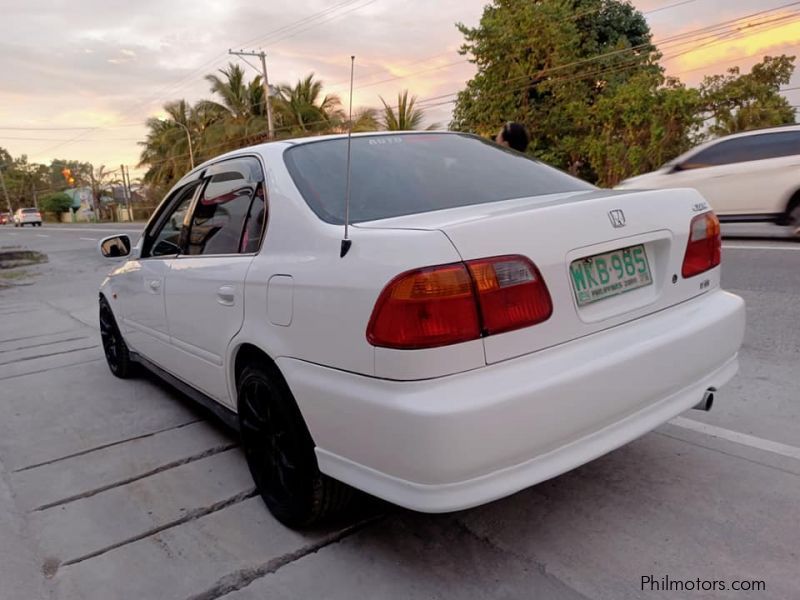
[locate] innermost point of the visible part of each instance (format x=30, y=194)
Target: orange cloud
x=716, y=52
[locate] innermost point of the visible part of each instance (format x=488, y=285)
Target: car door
x=141, y=285
x=760, y=185
x=205, y=284
x=745, y=175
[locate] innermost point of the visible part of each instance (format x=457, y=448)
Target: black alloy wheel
x=114, y=347
x=280, y=454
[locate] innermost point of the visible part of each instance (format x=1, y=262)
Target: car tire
x=115, y=349
x=794, y=220
x=280, y=454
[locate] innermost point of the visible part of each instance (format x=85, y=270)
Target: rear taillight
x=425, y=308
x=511, y=293
x=704, y=250
x=448, y=304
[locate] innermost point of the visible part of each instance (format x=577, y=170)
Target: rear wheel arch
x=249, y=354
x=278, y=441
x=791, y=206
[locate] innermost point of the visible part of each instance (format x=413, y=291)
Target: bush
x=56, y=203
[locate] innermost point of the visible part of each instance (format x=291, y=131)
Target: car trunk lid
x=564, y=234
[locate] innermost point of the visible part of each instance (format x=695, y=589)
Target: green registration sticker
x=610, y=274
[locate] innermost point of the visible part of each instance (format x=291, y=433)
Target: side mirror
x=115, y=246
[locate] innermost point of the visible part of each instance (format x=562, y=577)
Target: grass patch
x=14, y=275
x=11, y=259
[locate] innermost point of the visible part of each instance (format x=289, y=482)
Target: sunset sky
x=108, y=65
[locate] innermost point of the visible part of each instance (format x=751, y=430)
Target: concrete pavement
x=124, y=489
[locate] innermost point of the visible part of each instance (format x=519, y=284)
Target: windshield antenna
x=347, y=242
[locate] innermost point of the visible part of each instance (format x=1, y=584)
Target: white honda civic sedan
x=489, y=323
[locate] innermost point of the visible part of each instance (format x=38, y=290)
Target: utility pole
x=35, y=198
x=263, y=56
x=5, y=191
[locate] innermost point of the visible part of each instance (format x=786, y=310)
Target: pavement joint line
x=731, y=454
x=66, y=313
x=495, y=547
x=48, y=355
x=104, y=446
x=738, y=438
x=5, y=313
x=38, y=335
x=760, y=247
x=72, y=339
x=90, y=239
x=165, y=467
x=42, y=235
x=233, y=582
x=27, y=373
x=192, y=515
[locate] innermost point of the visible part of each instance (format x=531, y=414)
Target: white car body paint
x=445, y=428
x=26, y=216
x=759, y=188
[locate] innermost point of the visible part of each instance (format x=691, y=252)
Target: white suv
x=27, y=216
x=488, y=322
x=750, y=176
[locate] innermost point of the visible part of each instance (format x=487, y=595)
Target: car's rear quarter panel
x=331, y=298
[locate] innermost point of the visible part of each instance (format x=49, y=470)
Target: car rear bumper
x=458, y=441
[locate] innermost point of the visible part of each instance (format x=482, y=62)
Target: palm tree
x=242, y=107
x=102, y=182
x=166, y=149
x=366, y=119
x=404, y=117
x=302, y=108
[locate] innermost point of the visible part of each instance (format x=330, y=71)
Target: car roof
x=760, y=131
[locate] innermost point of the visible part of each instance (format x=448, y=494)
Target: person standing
x=513, y=135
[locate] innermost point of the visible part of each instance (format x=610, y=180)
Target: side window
x=723, y=153
x=754, y=147
x=165, y=240
x=774, y=145
x=228, y=215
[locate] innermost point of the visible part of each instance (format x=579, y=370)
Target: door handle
x=154, y=284
x=226, y=295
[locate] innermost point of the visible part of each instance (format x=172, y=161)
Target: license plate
x=609, y=274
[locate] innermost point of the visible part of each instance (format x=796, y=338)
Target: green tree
x=365, y=119
x=165, y=150
x=23, y=179
x=102, y=182
x=81, y=172
x=545, y=64
x=405, y=116
x=643, y=124
x=303, y=108
x=239, y=118
x=57, y=202
x=736, y=102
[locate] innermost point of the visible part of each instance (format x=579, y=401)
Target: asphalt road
x=123, y=489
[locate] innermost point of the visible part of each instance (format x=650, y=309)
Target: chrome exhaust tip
x=707, y=402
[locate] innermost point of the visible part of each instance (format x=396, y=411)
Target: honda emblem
x=617, y=218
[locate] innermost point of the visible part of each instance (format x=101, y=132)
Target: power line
x=323, y=13
x=668, y=42
x=18, y=128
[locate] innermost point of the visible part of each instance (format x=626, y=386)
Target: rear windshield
x=407, y=174
x=29, y=210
